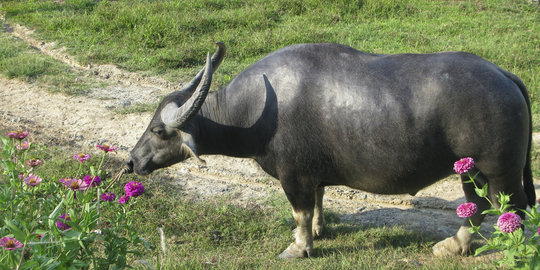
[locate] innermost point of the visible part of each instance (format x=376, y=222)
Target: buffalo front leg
x=302, y=199
x=318, y=219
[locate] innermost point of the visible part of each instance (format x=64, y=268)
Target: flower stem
x=476, y=186
x=101, y=162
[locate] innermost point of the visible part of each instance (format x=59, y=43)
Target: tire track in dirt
x=87, y=120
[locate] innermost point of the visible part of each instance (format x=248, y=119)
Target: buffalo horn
x=217, y=58
x=194, y=103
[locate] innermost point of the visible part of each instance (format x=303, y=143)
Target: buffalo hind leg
x=318, y=219
x=460, y=243
x=301, y=195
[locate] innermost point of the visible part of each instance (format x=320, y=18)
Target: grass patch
x=20, y=61
x=170, y=38
x=138, y=108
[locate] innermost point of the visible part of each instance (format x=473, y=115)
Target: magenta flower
x=123, y=199
x=538, y=230
x=92, y=181
x=106, y=148
x=82, y=157
x=10, y=243
x=509, y=222
x=465, y=210
x=74, y=184
x=463, y=165
x=108, y=196
x=33, y=162
x=32, y=180
x=134, y=189
x=18, y=134
x=63, y=226
x=23, y=145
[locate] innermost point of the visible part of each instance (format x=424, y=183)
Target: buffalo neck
x=234, y=126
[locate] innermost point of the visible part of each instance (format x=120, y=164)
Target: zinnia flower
x=10, y=243
x=509, y=222
x=93, y=181
x=465, y=210
x=463, y=165
x=32, y=180
x=82, y=157
x=134, y=189
x=23, y=145
x=18, y=134
x=106, y=148
x=34, y=162
x=74, y=184
x=108, y=196
x=123, y=199
x=63, y=226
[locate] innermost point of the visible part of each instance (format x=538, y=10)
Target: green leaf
x=482, y=249
x=503, y=198
x=482, y=192
x=490, y=212
x=18, y=233
x=55, y=213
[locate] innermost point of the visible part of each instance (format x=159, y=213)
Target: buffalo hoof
x=449, y=247
x=317, y=230
x=293, y=252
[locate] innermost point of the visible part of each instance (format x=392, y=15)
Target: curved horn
x=185, y=112
x=217, y=58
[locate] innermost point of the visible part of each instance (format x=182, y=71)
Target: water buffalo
x=314, y=115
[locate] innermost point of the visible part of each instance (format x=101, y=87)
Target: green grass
x=170, y=38
x=213, y=233
x=138, y=108
x=19, y=60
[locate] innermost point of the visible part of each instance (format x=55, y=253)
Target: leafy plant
x=66, y=223
x=520, y=250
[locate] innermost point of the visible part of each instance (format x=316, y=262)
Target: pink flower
x=63, y=226
x=466, y=210
x=123, y=199
x=509, y=222
x=18, y=134
x=463, y=165
x=82, y=157
x=33, y=162
x=23, y=145
x=538, y=230
x=10, y=243
x=106, y=148
x=74, y=184
x=92, y=181
x=32, y=180
x=134, y=189
x=108, y=196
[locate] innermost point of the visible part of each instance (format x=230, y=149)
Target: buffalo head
x=168, y=138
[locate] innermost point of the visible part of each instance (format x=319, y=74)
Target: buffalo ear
x=188, y=147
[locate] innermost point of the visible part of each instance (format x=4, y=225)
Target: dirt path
x=86, y=120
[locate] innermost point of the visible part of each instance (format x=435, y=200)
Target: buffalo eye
x=159, y=131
